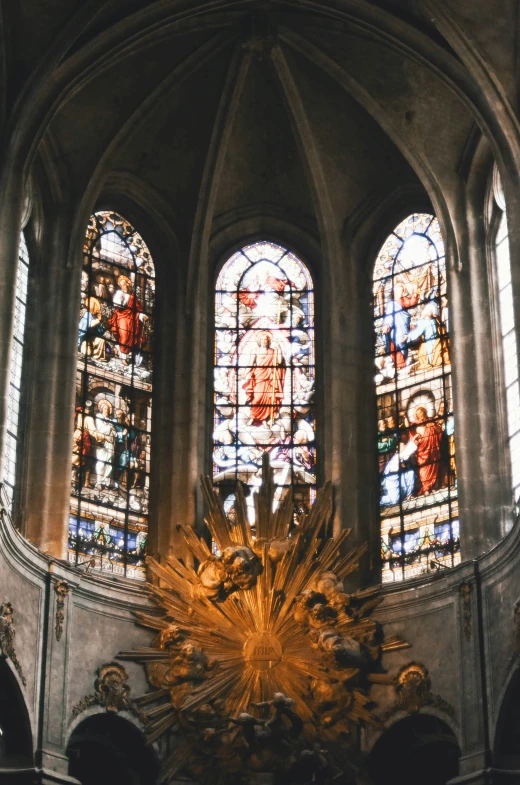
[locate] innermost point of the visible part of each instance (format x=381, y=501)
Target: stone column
x=169, y=483
x=488, y=402
x=348, y=335
x=465, y=394
x=50, y=399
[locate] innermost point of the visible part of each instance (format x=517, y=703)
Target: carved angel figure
x=279, y=707
x=171, y=637
x=241, y=565
x=311, y=608
x=212, y=576
x=190, y=664
x=187, y=663
x=237, y=568
x=331, y=701
x=346, y=652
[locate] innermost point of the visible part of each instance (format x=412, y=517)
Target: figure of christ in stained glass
x=416, y=446
x=264, y=373
x=111, y=445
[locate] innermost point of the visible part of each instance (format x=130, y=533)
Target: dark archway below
x=416, y=749
x=507, y=739
x=106, y=749
x=15, y=727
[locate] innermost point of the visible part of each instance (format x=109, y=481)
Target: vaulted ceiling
x=241, y=102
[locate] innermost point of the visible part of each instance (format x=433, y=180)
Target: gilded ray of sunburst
x=267, y=615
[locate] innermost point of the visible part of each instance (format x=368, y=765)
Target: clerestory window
x=112, y=425
x=15, y=376
x=504, y=287
x=416, y=426
x=264, y=376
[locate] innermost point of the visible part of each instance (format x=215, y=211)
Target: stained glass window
x=15, y=377
x=508, y=335
x=264, y=376
x=416, y=442
x=112, y=427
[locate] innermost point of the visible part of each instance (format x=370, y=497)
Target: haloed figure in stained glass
x=416, y=445
x=111, y=446
x=264, y=374
x=127, y=321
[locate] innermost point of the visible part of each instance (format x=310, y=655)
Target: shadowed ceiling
x=241, y=101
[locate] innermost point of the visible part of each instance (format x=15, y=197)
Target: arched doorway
x=507, y=738
x=106, y=749
x=16, y=749
x=416, y=749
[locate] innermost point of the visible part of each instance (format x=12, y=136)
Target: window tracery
x=15, y=377
x=416, y=443
x=112, y=433
x=264, y=375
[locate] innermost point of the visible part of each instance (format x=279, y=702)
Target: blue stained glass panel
x=416, y=424
x=264, y=375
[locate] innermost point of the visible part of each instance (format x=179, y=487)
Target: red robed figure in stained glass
x=428, y=440
x=265, y=380
x=126, y=323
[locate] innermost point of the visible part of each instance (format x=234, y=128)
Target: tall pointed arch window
x=416, y=444
x=15, y=377
x=508, y=333
x=112, y=426
x=264, y=376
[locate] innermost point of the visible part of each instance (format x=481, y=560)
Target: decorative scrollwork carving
x=465, y=591
x=7, y=634
x=269, y=614
x=111, y=691
x=413, y=692
x=61, y=589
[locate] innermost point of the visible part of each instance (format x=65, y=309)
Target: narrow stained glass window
x=416, y=445
x=111, y=450
x=508, y=335
x=264, y=376
x=15, y=378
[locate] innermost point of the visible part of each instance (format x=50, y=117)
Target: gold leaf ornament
x=267, y=617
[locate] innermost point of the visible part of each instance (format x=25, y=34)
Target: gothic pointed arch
x=416, y=443
x=264, y=376
x=112, y=426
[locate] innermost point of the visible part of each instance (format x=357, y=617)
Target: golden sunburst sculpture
x=259, y=649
